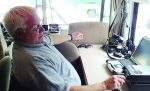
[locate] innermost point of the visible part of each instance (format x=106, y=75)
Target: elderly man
x=37, y=64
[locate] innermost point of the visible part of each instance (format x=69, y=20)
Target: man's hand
x=77, y=36
x=114, y=82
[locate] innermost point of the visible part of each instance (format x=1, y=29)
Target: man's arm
x=62, y=38
x=111, y=83
x=57, y=39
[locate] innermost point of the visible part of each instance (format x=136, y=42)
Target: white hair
x=16, y=18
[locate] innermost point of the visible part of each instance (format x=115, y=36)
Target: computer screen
x=141, y=55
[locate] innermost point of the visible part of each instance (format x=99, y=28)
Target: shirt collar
x=30, y=45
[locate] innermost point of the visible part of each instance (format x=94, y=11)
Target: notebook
x=141, y=55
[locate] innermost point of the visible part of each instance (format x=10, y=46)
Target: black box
x=138, y=74
x=138, y=87
x=138, y=77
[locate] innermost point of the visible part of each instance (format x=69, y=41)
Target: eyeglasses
x=36, y=28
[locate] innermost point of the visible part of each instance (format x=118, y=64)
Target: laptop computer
x=141, y=56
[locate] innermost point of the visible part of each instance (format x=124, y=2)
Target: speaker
x=54, y=28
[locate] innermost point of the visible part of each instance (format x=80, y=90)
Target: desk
x=94, y=65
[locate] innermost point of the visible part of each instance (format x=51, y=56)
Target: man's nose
x=41, y=29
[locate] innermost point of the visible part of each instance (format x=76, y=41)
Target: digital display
x=141, y=55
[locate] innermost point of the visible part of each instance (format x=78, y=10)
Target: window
x=68, y=11
x=61, y=11
x=143, y=22
x=7, y=4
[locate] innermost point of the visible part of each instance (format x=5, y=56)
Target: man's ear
x=19, y=33
x=20, y=30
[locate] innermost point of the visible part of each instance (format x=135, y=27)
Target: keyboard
x=125, y=62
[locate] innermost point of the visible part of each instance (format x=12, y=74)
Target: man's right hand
x=114, y=82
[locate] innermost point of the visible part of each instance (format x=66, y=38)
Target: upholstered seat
x=3, y=45
x=94, y=32
x=5, y=72
x=71, y=53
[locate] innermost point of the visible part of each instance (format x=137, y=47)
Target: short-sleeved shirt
x=41, y=67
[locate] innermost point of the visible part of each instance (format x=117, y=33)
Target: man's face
x=34, y=31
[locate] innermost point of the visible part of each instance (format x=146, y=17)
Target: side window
x=143, y=22
x=7, y=36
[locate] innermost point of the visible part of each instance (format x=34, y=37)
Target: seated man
x=37, y=64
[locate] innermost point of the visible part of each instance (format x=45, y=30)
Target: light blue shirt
x=42, y=67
